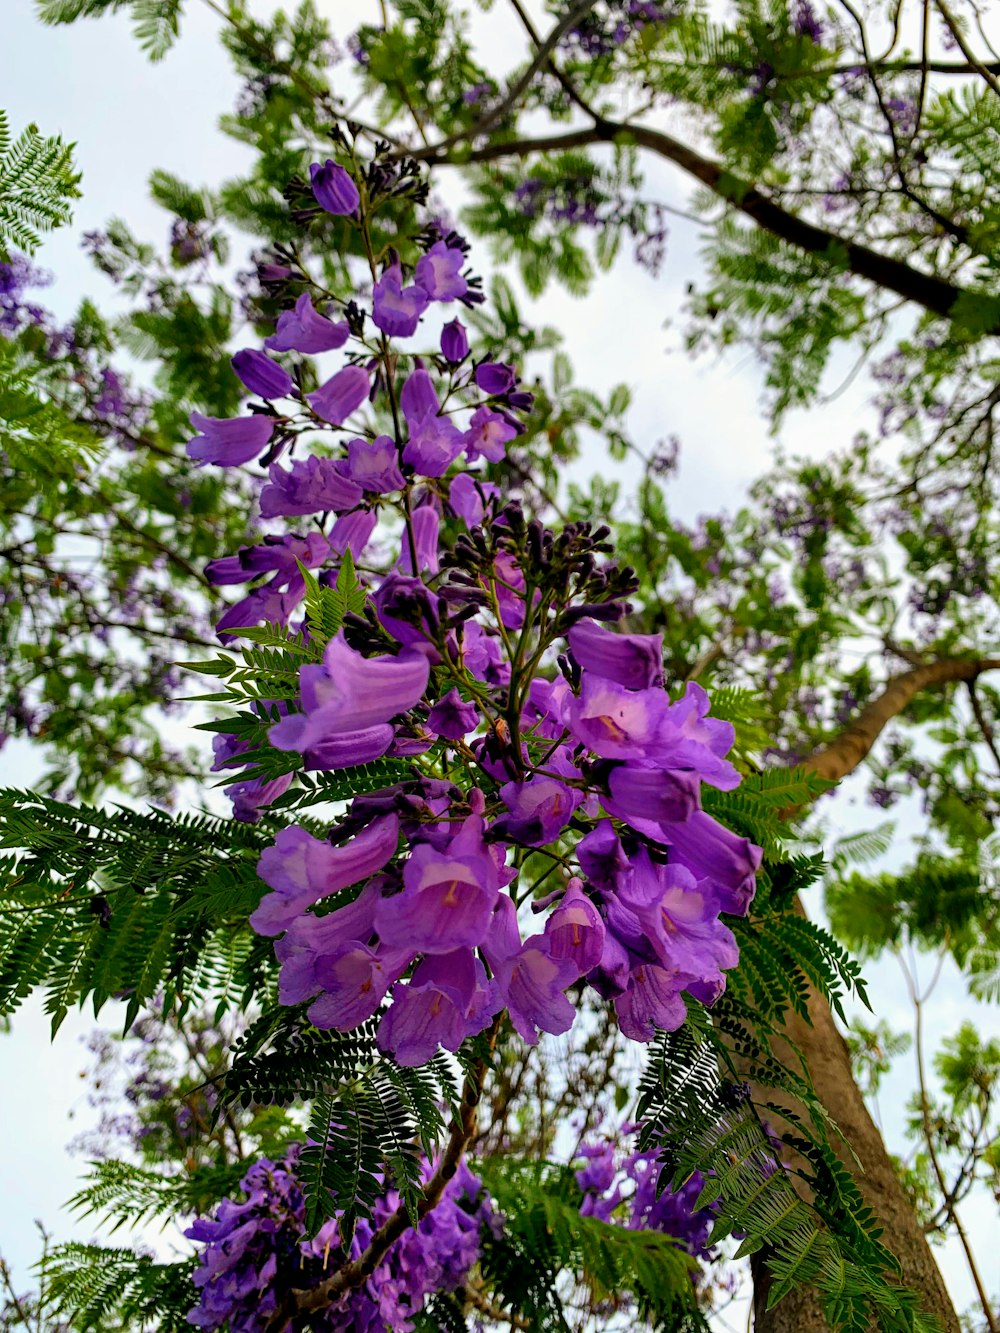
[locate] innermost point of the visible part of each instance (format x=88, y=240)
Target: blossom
x=439, y=273
x=261, y=375
x=301, y=870
x=349, y=693
x=539, y=809
x=396, y=309
x=305, y=330
x=531, y=980
x=334, y=188
x=353, y=531
x=488, y=435
x=342, y=394
x=434, y=440
x=229, y=441
x=495, y=378
x=452, y=718
x=467, y=496
x=373, y=465
x=447, y=999
x=310, y=486
x=422, y=555
x=575, y=930
x=632, y=660
x=448, y=895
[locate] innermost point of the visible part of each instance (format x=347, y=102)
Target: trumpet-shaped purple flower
x=646, y=793
x=229, y=441
x=650, y=1000
x=301, y=870
x=453, y=718
x=467, y=495
x=310, y=939
x=632, y=660
x=614, y=722
x=249, y=796
x=434, y=441
x=305, y=330
x=349, y=693
x=261, y=375
x=310, y=486
x=352, y=532
x=354, y=983
x=408, y=610
x=538, y=810
x=448, y=895
x=575, y=930
x=373, y=465
x=495, y=378
x=334, y=188
x=341, y=395
x=531, y=981
x=426, y=526
x=447, y=999
x=488, y=435
x=711, y=851
x=439, y=273
x=396, y=309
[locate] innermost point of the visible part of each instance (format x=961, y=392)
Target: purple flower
x=539, y=810
x=396, y=309
x=354, y=983
x=350, y=693
x=530, y=980
x=352, y=532
x=575, y=930
x=632, y=660
x=341, y=395
x=651, y=1000
x=261, y=375
x=301, y=870
x=229, y=441
x=309, y=939
x=426, y=525
x=657, y=794
x=466, y=496
x=373, y=465
x=614, y=722
x=495, y=378
x=439, y=273
x=310, y=486
x=407, y=609
x=435, y=441
x=447, y=999
x=452, y=718
x=304, y=330
x=448, y=895
x=488, y=435
x=454, y=342
x=709, y=850
x=334, y=189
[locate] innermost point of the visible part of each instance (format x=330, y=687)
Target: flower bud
x=454, y=342
x=334, y=189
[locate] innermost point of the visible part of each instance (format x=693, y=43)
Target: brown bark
x=829, y=1063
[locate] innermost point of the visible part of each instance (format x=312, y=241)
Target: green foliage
x=37, y=183
x=103, y=1289
x=156, y=23
x=97, y=904
x=545, y=1239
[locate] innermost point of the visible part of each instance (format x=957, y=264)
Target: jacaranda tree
x=512, y=762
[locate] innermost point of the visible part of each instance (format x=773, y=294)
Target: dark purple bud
x=454, y=342
x=334, y=189
x=261, y=375
x=495, y=378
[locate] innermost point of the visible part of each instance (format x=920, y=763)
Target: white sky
x=92, y=84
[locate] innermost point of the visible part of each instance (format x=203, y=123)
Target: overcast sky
x=92, y=84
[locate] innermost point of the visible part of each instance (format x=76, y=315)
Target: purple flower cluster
x=255, y=1252
x=623, y=1185
x=484, y=657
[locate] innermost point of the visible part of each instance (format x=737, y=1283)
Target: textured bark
x=829, y=1063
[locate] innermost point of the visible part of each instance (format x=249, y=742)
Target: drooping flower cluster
x=621, y=1184
x=256, y=1252
x=485, y=659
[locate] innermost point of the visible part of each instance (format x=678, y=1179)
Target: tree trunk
x=829, y=1063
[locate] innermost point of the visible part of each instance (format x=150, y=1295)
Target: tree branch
x=925, y=289
x=843, y=755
